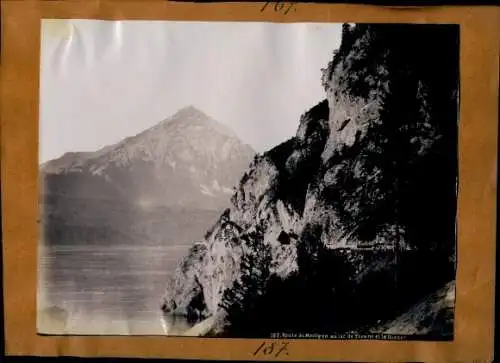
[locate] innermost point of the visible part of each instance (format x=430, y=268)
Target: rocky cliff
x=351, y=222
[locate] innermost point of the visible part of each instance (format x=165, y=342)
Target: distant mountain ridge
x=187, y=160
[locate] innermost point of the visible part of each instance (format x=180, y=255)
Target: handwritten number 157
x=280, y=6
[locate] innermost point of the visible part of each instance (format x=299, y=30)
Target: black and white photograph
x=248, y=179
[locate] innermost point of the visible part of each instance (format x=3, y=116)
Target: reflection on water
x=106, y=290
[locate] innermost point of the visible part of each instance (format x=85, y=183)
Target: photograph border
x=20, y=67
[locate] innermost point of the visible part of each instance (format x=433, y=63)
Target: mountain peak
x=192, y=115
x=190, y=110
x=181, y=139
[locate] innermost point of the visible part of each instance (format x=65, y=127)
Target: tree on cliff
x=242, y=302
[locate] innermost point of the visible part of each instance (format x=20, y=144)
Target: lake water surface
x=106, y=290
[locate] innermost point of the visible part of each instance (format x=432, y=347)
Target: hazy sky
x=102, y=81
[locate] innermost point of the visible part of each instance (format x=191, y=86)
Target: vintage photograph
x=248, y=179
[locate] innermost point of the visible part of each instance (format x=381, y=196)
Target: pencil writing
x=276, y=349
x=283, y=7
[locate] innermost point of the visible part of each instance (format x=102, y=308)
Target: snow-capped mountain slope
x=186, y=160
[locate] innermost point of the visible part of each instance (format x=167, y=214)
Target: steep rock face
x=353, y=219
x=214, y=264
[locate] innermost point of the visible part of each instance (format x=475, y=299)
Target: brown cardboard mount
x=479, y=36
